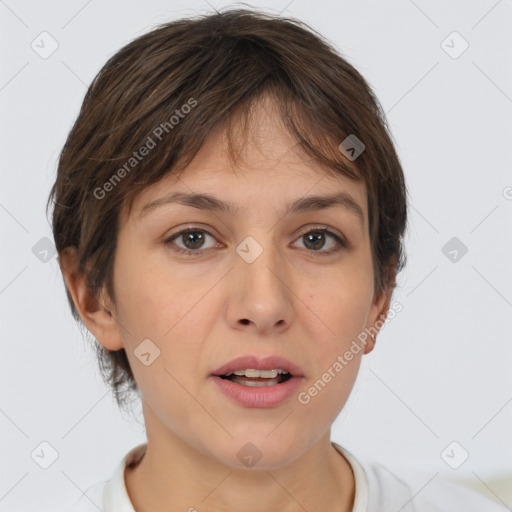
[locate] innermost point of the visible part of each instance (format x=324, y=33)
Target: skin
x=202, y=311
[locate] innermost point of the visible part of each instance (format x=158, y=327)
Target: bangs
x=314, y=140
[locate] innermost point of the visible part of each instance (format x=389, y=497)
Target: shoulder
x=91, y=500
x=110, y=495
x=413, y=490
x=420, y=491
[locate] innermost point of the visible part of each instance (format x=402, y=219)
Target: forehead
x=270, y=169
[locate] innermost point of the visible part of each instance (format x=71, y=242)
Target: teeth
x=265, y=374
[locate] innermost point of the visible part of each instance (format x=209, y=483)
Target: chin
x=258, y=452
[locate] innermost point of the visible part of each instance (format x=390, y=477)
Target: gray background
x=441, y=369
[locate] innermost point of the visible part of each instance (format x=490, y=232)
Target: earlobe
x=370, y=345
x=94, y=312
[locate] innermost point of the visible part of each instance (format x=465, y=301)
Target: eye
x=314, y=239
x=194, y=239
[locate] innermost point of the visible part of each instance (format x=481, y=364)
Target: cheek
x=335, y=357
x=341, y=305
x=164, y=308
x=150, y=299
x=340, y=317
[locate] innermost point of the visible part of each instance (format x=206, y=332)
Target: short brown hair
x=218, y=64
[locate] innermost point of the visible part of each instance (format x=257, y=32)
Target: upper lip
x=255, y=363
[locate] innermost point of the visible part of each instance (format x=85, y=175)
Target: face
x=261, y=282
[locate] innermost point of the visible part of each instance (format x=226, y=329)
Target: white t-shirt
x=377, y=489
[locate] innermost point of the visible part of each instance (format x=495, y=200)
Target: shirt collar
x=115, y=494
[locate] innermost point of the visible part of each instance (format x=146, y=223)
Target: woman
x=229, y=214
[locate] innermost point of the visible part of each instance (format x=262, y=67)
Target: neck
x=174, y=476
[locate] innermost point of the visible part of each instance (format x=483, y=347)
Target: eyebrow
x=209, y=202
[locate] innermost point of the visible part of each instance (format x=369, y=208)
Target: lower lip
x=262, y=396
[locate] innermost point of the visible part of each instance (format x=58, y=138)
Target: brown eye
x=315, y=241
x=192, y=239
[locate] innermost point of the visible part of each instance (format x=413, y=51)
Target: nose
x=260, y=296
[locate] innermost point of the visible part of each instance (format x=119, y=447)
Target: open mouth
x=257, y=378
x=251, y=387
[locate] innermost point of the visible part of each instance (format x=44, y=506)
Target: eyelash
x=199, y=252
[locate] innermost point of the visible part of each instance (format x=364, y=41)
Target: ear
x=380, y=307
x=96, y=313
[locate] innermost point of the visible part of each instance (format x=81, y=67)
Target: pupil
x=189, y=237
x=312, y=235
